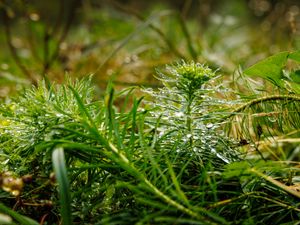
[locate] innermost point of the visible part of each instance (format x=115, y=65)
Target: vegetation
x=197, y=146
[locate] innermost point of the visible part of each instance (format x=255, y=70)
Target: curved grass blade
x=16, y=216
x=58, y=160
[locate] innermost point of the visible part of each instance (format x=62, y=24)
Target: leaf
x=236, y=169
x=295, y=56
x=294, y=81
x=270, y=67
x=58, y=160
x=16, y=216
x=295, y=87
x=295, y=76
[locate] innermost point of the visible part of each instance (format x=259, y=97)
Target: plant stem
x=260, y=100
x=276, y=183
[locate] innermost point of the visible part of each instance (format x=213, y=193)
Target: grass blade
x=58, y=160
x=16, y=216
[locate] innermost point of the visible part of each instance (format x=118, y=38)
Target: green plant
x=187, y=112
x=117, y=152
x=268, y=129
x=160, y=160
x=37, y=116
x=276, y=116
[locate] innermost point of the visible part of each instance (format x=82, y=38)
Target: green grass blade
x=16, y=216
x=58, y=160
x=179, y=192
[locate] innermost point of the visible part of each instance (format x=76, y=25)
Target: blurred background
x=127, y=40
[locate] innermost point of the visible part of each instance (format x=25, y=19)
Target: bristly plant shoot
x=184, y=108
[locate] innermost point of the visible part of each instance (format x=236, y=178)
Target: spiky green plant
x=187, y=113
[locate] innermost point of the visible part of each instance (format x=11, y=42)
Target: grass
x=195, y=146
x=160, y=160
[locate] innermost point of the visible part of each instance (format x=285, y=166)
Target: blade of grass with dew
x=59, y=166
x=133, y=112
x=91, y=126
x=84, y=112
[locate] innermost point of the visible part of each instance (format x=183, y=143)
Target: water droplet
x=59, y=115
x=209, y=125
x=272, y=119
x=179, y=114
x=222, y=157
x=189, y=135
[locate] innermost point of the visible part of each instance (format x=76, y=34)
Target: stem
x=13, y=50
x=260, y=100
x=188, y=114
x=187, y=36
x=140, y=17
x=63, y=35
x=276, y=183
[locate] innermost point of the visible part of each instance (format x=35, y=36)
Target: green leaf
x=236, y=169
x=58, y=160
x=270, y=67
x=295, y=87
x=295, y=76
x=295, y=56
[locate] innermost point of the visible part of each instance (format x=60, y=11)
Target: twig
x=63, y=36
x=13, y=50
x=187, y=37
x=186, y=7
x=260, y=100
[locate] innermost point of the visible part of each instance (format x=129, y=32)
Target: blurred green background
x=127, y=40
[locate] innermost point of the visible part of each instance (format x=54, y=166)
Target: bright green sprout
x=191, y=75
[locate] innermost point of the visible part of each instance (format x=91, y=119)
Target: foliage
x=272, y=69
x=186, y=111
x=196, y=148
x=130, y=39
x=163, y=160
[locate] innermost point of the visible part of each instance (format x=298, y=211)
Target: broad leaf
x=270, y=67
x=295, y=76
x=295, y=56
